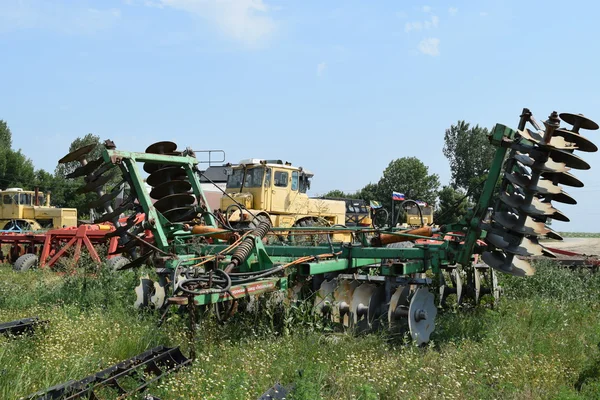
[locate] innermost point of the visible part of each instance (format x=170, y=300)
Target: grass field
x=540, y=343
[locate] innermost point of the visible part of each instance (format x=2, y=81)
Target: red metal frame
x=56, y=242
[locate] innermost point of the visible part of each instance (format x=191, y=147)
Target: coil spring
x=242, y=252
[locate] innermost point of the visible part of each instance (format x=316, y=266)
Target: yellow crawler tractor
x=274, y=189
x=30, y=210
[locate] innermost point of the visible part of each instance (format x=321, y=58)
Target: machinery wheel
x=17, y=225
x=25, y=262
x=311, y=239
x=116, y=263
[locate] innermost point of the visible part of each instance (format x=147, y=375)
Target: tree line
x=16, y=170
x=466, y=147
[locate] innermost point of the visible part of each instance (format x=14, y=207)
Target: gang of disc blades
x=180, y=214
x=174, y=201
x=549, y=166
x=579, y=120
x=77, y=154
x=523, y=246
x=97, y=183
x=500, y=262
x=166, y=174
x=564, y=178
x=170, y=187
x=105, y=198
x=582, y=143
x=86, y=169
x=161, y=147
x=556, y=142
x=569, y=159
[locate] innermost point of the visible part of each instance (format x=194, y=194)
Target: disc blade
x=86, y=169
x=180, y=214
x=137, y=262
x=421, y=315
x=105, y=198
x=582, y=143
x=530, y=228
x=174, y=201
x=161, y=147
x=543, y=186
x=169, y=188
x=579, y=121
x=116, y=213
x=97, y=183
x=562, y=197
x=166, y=174
x=563, y=178
x=549, y=166
x=76, y=155
x=569, y=159
x=556, y=142
x=514, y=244
x=500, y=262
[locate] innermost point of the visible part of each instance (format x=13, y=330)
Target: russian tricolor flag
x=397, y=196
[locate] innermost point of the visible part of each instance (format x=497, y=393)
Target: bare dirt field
x=587, y=246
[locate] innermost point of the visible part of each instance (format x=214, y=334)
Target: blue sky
x=339, y=87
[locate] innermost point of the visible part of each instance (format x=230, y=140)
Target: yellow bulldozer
x=274, y=189
x=30, y=210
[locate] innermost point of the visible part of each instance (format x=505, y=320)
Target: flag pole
x=393, y=206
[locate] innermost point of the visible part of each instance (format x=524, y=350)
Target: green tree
x=407, y=175
x=470, y=154
x=369, y=192
x=452, y=206
x=5, y=135
x=341, y=194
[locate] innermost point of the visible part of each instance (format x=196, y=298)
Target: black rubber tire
x=25, y=262
x=117, y=262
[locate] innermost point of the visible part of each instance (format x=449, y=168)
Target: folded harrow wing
x=381, y=277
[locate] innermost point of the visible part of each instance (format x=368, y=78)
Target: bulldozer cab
x=269, y=185
x=13, y=201
x=414, y=219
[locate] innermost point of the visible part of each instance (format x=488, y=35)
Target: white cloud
x=483, y=14
x=430, y=46
x=422, y=25
x=247, y=21
x=452, y=11
x=426, y=9
x=321, y=67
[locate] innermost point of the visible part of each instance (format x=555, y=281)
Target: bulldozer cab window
x=268, y=178
x=7, y=199
x=41, y=200
x=295, y=180
x=234, y=181
x=281, y=179
x=25, y=199
x=254, y=177
x=304, y=184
